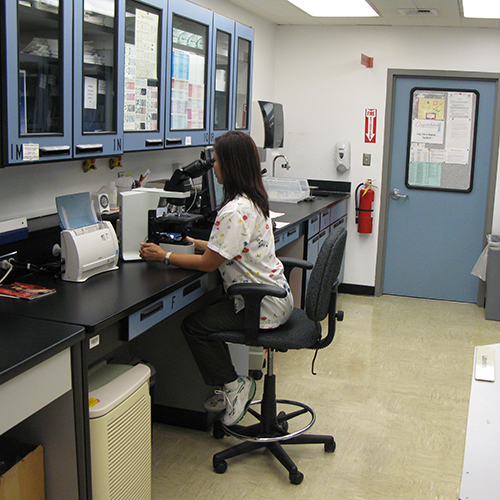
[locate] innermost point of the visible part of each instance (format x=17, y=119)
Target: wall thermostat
x=342, y=156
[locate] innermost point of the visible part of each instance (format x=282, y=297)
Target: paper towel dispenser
x=272, y=113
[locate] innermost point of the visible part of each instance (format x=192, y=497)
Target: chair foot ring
x=308, y=409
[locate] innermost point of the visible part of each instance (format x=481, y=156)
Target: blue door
x=435, y=237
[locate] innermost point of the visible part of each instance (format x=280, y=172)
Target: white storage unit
x=120, y=432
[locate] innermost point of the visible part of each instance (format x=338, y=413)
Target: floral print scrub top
x=243, y=236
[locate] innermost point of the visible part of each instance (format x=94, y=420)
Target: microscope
x=159, y=215
x=168, y=228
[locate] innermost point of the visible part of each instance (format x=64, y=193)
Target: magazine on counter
x=23, y=291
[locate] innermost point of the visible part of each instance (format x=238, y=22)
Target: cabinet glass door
x=144, y=105
x=98, y=119
x=221, y=100
x=243, y=77
x=190, y=60
x=38, y=47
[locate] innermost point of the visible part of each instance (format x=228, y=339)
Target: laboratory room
x=249, y=249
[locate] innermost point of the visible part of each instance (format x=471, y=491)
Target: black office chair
x=302, y=330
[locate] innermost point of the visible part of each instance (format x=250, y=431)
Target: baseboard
x=356, y=289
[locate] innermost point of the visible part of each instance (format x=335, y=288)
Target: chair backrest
x=325, y=274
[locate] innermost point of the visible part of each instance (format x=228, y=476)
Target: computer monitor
x=215, y=191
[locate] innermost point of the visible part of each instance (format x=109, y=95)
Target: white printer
x=88, y=246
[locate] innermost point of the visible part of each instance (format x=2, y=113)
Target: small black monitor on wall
x=272, y=113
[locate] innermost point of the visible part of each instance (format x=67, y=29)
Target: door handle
x=396, y=194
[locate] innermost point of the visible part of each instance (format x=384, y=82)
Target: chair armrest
x=290, y=263
x=252, y=294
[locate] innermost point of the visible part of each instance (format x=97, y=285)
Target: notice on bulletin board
x=442, y=139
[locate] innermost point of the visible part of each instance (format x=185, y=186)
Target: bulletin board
x=441, y=139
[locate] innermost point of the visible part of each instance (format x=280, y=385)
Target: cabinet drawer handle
x=322, y=234
x=55, y=150
x=89, y=148
x=315, y=239
x=314, y=219
x=191, y=288
x=176, y=140
x=292, y=231
x=339, y=222
x=151, y=311
x=154, y=142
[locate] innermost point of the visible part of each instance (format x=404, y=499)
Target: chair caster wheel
x=296, y=478
x=284, y=424
x=220, y=467
x=330, y=447
x=256, y=374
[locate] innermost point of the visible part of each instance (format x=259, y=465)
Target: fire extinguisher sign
x=371, y=125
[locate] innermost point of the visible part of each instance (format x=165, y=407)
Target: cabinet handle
x=176, y=140
x=339, y=222
x=55, y=150
x=315, y=239
x=151, y=311
x=89, y=148
x=314, y=219
x=292, y=231
x=154, y=142
x=191, y=288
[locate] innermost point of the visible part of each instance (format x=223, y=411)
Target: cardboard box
x=22, y=471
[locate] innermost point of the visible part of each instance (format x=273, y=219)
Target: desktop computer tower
x=120, y=432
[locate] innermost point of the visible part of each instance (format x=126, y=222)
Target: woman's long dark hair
x=239, y=163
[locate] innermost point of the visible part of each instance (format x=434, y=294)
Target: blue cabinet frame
x=175, y=136
x=225, y=26
x=147, y=140
x=50, y=146
x=110, y=142
x=243, y=34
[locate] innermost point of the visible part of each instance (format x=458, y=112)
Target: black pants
x=212, y=356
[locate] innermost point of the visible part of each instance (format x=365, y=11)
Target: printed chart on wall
x=441, y=139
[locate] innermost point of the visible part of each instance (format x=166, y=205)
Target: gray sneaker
x=216, y=403
x=238, y=401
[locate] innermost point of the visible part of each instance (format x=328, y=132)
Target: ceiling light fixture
x=335, y=8
x=484, y=9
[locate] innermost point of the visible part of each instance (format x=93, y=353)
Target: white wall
x=325, y=91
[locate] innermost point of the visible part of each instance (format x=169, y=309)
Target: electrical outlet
x=367, y=159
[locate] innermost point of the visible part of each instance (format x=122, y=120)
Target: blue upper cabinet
x=98, y=78
x=243, y=77
x=221, y=100
x=144, y=74
x=38, y=81
x=189, y=63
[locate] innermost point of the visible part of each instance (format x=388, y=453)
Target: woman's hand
x=199, y=245
x=152, y=252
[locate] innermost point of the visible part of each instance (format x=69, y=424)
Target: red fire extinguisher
x=364, y=206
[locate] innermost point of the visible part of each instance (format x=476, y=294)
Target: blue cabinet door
x=221, y=99
x=38, y=111
x=243, y=77
x=144, y=74
x=98, y=78
x=189, y=61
